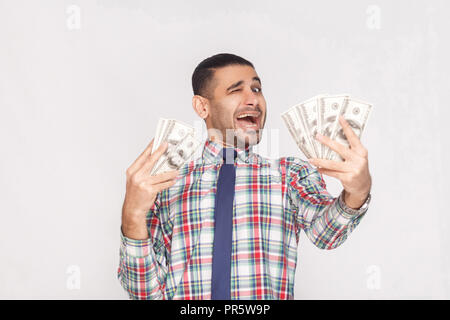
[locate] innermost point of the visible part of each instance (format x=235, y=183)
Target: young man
x=226, y=225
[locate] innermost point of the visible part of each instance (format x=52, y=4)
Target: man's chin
x=247, y=138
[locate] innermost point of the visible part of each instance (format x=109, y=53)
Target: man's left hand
x=353, y=172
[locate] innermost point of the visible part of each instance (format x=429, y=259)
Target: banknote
x=181, y=141
x=170, y=130
x=173, y=132
x=178, y=155
x=330, y=108
x=356, y=113
x=309, y=114
x=320, y=114
x=156, y=142
x=297, y=130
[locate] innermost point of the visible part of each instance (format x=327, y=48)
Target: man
x=226, y=225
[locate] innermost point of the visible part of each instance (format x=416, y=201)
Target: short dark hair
x=204, y=73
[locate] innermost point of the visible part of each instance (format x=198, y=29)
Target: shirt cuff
x=348, y=212
x=135, y=248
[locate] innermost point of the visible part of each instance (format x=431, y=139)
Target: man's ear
x=201, y=106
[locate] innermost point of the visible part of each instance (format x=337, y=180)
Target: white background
x=82, y=84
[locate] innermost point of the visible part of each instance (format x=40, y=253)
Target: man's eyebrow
x=257, y=79
x=237, y=84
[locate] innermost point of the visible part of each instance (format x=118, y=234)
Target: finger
x=331, y=173
x=351, y=136
x=141, y=159
x=342, y=150
x=154, y=157
x=165, y=185
x=163, y=177
x=329, y=164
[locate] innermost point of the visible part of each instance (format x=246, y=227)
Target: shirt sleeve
x=323, y=217
x=143, y=264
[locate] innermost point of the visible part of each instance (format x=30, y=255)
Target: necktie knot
x=228, y=155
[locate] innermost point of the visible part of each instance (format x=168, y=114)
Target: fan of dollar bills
x=181, y=144
x=320, y=114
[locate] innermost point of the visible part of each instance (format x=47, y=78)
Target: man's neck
x=226, y=144
x=221, y=142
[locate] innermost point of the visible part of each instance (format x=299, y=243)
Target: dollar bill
x=356, y=112
x=173, y=132
x=320, y=114
x=297, y=130
x=159, y=126
x=309, y=114
x=178, y=155
x=330, y=109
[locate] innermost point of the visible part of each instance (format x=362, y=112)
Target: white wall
x=79, y=101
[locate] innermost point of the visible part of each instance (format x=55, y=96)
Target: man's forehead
x=229, y=75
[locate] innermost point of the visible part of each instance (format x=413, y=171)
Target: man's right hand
x=142, y=189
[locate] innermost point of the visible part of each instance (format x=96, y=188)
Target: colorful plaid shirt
x=274, y=200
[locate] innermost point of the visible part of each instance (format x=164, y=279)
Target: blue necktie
x=223, y=228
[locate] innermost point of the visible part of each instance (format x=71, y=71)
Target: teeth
x=246, y=115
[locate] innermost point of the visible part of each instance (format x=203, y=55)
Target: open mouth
x=248, y=120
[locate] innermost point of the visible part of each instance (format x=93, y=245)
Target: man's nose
x=251, y=98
